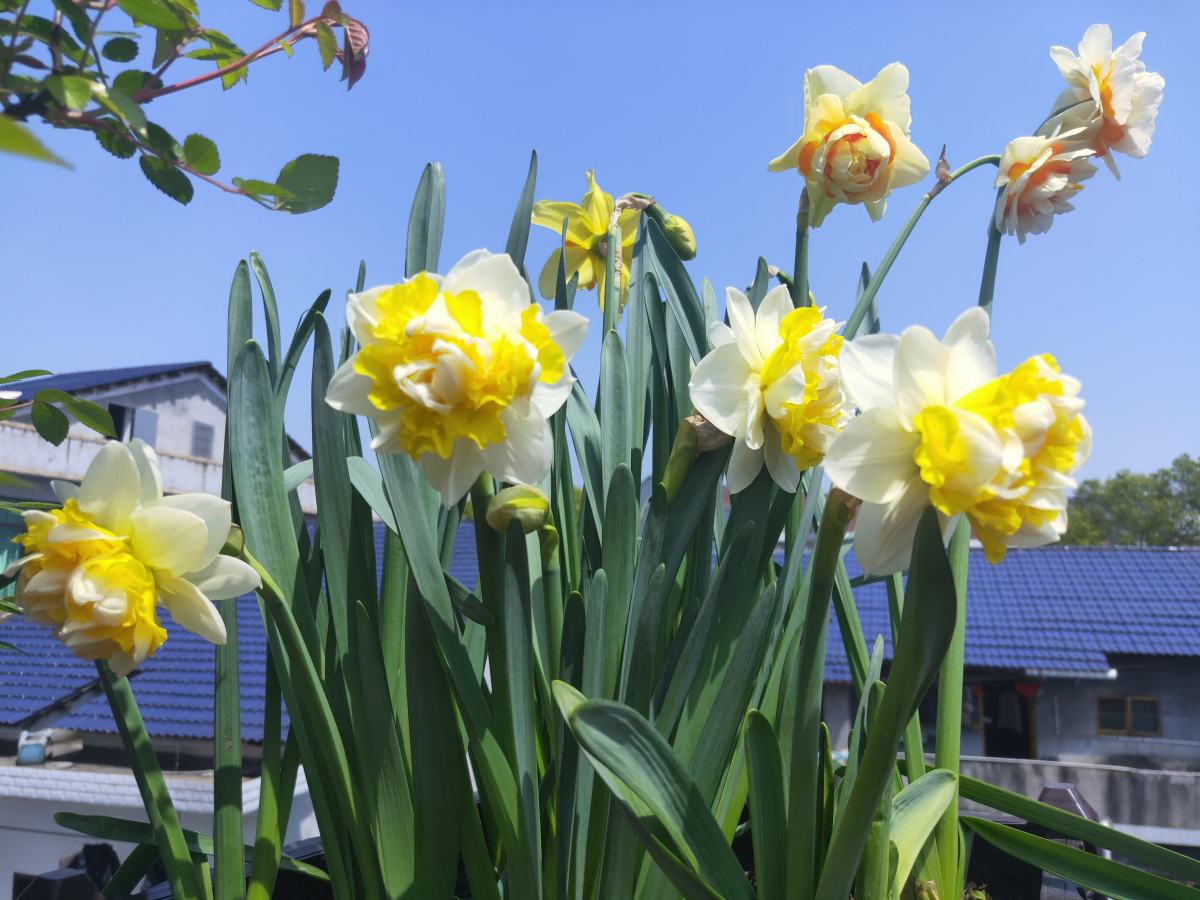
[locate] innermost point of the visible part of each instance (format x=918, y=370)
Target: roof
x=101, y=378
x=1051, y=611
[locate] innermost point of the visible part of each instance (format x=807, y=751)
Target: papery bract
x=855, y=147
x=1110, y=96
x=96, y=568
x=460, y=372
x=938, y=426
x=586, y=239
x=1038, y=176
x=772, y=382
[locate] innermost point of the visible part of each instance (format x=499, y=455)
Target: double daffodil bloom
x=1110, y=95
x=96, y=569
x=460, y=372
x=938, y=426
x=855, y=147
x=772, y=382
x=1038, y=177
x=586, y=239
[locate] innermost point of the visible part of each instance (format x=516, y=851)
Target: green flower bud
x=676, y=230
x=522, y=503
x=548, y=538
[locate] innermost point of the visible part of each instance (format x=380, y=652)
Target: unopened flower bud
x=676, y=230
x=522, y=503
x=548, y=537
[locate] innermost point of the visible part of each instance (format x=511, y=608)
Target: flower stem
x=799, y=285
x=987, y=285
x=864, y=302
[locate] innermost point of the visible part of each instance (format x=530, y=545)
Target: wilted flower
x=96, y=568
x=937, y=426
x=1039, y=176
x=460, y=372
x=520, y=503
x=1110, y=95
x=855, y=147
x=772, y=382
x=586, y=239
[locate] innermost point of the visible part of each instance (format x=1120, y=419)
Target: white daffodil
x=772, y=382
x=96, y=568
x=855, y=147
x=460, y=372
x=1038, y=177
x=938, y=426
x=1110, y=95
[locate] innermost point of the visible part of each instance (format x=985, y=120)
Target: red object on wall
x=1026, y=689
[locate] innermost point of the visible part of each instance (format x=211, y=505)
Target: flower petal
x=148, y=470
x=111, y=486
x=169, y=540
x=868, y=369
x=789, y=158
x=551, y=213
x=885, y=95
x=453, y=477
x=883, y=533
x=349, y=392
x=718, y=388
x=216, y=515
x=920, y=372
x=784, y=470
x=767, y=321
x=63, y=490
x=494, y=277
x=873, y=456
x=741, y=320
x=225, y=578
x=549, y=398
x=525, y=454
x=971, y=360
x=744, y=465
x=568, y=329
x=191, y=609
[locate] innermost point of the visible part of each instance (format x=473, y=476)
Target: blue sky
x=684, y=101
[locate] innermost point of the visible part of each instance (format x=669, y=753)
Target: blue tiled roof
x=1065, y=609
x=82, y=381
x=1055, y=609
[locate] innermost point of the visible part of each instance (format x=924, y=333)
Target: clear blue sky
x=685, y=101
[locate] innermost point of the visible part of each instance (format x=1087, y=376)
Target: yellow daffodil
x=96, y=569
x=772, y=382
x=855, y=147
x=1110, y=95
x=938, y=426
x=1038, y=177
x=586, y=239
x=460, y=372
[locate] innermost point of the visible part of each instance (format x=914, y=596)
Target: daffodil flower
x=772, y=382
x=96, y=569
x=1110, y=95
x=460, y=372
x=938, y=426
x=855, y=147
x=1038, y=176
x=586, y=239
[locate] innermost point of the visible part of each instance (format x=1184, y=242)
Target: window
x=122, y=417
x=202, y=440
x=1137, y=716
x=145, y=426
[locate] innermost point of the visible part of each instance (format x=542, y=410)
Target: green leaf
x=50, y=422
x=268, y=4
x=326, y=44
x=662, y=260
x=167, y=179
x=118, y=143
x=1105, y=876
x=615, y=441
x=426, y=222
x=73, y=13
x=768, y=814
x=295, y=12
x=155, y=13
x=72, y=91
x=15, y=138
x=93, y=415
x=120, y=49
x=256, y=187
x=1144, y=853
x=915, y=812
x=643, y=773
x=125, y=107
x=518, y=231
x=310, y=181
x=24, y=374
x=294, y=476
x=201, y=154
x=163, y=142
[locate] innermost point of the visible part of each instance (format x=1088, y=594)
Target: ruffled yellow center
x=449, y=373
x=1029, y=402
x=806, y=420
x=88, y=585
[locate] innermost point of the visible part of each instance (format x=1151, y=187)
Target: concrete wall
x=1066, y=717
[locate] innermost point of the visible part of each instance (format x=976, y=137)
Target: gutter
x=1069, y=674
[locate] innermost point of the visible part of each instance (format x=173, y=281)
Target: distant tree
x=1158, y=509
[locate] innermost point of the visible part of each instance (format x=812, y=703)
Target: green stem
x=182, y=872
x=804, y=828
x=914, y=752
x=610, y=298
x=987, y=285
x=864, y=302
x=230, y=858
x=799, y=285
x=949, y=714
